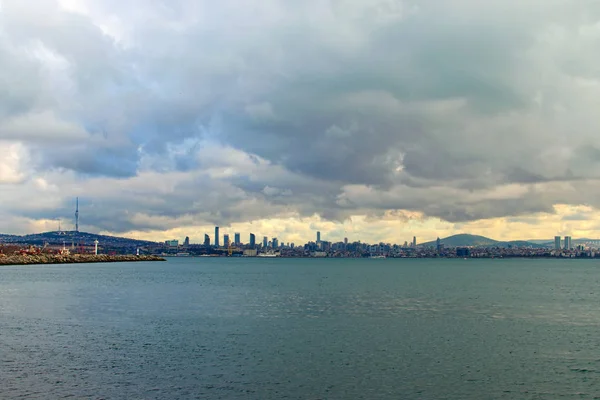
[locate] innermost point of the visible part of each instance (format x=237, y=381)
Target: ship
x=268, y=254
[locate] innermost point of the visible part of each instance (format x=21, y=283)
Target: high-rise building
x=275, y=243
x=206, y=240
x=265, y=242
x=345, y=240
x=216, y=236
x=438, y=244
x=252, y=241
x=568, y=244
x=556, y=242
x=186, y=242
x=414, y=242
x=226, y=240
x=318, y=236
x=236, y=239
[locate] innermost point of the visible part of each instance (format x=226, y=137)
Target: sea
x=274, y=328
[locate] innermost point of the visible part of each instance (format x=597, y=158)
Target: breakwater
x=30, y=259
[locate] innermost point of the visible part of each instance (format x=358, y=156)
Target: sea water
x=244, y=328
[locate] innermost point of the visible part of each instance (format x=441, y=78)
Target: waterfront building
x=172, y=243
x=252, y=241
x=226, y=240
x=462, y=252
x=186, y=242
x=250, y=253
x=265, y=242
x=414, y=242
x=318, y=237
x=206, y=240
x=275, y=243
x=236, y=239
x=216, y=236
x=557, y=243
x=568, y=244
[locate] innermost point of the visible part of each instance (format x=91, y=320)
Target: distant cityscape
x=471, y=246
x=456, y=246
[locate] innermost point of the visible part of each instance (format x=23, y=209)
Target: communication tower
x=77, y=214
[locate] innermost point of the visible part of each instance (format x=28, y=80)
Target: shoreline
x=41, y=259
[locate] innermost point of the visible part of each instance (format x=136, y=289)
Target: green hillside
x=466, y=240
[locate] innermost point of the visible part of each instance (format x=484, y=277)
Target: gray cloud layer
x=216, y=112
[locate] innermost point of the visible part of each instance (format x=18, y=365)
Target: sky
x=376, y=120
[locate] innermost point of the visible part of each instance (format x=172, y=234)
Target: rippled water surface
x=302, y=329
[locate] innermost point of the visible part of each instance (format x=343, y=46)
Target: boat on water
x=268, y=254
x=379, y=256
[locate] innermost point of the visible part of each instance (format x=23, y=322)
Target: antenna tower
x=77, y=214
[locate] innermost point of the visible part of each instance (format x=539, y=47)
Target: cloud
x=162, y=115
x=12, y=159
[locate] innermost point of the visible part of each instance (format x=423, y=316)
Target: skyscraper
x=414, y=242
x=318, y=237
x=216, y=236
x=236, y=239
x=265, y=242
x=568, y=244
x=206, y=240
x=252, y=241
x=275, y=243
x=186, y=242
x=556, y=242
x=438, y=243
x=226, y=240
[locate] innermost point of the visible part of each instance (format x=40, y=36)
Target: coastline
x=40, y=259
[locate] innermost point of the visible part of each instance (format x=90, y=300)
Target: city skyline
x=483, y=121
x=558, y=242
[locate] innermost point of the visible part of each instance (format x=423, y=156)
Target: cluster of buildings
x=568, y=243
x=223, y=245
x=265, y=244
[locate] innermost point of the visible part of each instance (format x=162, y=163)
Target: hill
x=68, y=237
x=466, y=240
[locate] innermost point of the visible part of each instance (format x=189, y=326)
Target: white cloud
x=13, y=158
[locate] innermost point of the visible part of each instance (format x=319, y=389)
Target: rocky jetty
x=30, y=259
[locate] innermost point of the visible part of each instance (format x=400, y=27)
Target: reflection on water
x=301, y=329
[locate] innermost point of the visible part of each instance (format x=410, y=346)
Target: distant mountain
x=466, y=240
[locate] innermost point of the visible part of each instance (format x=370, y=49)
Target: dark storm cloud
x=344, y=106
